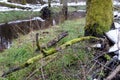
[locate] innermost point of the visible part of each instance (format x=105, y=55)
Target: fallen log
x=47, y=53
x=13, y=6
x=68, y=43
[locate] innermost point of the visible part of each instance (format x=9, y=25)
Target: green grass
x=16, y=15
x=64, y=67
x=19, y=15
x=70, y=8
x=11, y=6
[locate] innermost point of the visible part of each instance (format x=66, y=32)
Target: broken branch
x=52, y=42
x=113, y=74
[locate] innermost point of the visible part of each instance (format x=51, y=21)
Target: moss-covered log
x=47, y=53
x=68, y=43
x=99, y=17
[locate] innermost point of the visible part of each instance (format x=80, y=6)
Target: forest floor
x=69, y=64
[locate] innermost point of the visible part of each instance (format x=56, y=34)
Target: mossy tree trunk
x=23, y=2
x=99, y=17
x=76, y=1
x=41, y=2
x=61, y=1
x=65, y=9
x=49, y=3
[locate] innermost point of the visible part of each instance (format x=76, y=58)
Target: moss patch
x=99, y=17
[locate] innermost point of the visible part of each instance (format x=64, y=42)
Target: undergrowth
x=67, y=64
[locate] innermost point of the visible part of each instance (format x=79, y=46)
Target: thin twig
x=91, y=68
x=47, y=62
x=84, y=72
x=43, y=77
x=103, y=65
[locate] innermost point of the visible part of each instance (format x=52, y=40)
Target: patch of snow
x=38, y=18
x=3, y=0
x=54, y=22
x=116, y=15
x=38, y=7
x=97, y=45
x=52, y=0
x=116, y=3
x=117, y=25
x=81, y=10
x=113, y=35
x=77, y=4
x=19, y=21
x=119, y=55
x=8, y=9
x=114, y=48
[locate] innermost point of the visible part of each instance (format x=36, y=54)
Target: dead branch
x=102, y=65
x=113, y=74
x=37, y=42
x=57, y=39
x=47, y=53
x=50, y=43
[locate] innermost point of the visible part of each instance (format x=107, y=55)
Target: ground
x=66, y=64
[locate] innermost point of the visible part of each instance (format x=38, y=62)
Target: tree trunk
x=23, y=2
x=99, y=17
x=61, y=1
x=41, y=2
x=49, y=3
x=76, y=1
x=65, y=9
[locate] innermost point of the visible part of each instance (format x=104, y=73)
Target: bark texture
x=99, y=17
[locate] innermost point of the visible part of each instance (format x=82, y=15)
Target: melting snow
x=116, y=3
x=19, y=21
x=114, y=36
x=36, y=7
x=8, y=9
x=3, y=0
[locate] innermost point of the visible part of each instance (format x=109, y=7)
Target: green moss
x=99, y=17
x=24, y=2
x=36, y=58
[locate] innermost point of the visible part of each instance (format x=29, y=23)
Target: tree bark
x=49, y=3
x=23, y=2
x=99, y=17
x=65, y=9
